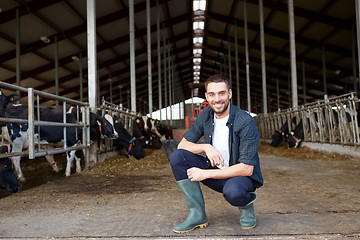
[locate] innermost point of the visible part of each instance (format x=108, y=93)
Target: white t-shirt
x=220, y=139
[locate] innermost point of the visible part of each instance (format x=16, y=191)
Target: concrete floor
x=301, y=199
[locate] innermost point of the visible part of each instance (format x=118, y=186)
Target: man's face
x=218, y=96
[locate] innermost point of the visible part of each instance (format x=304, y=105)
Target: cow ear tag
x=116, y=121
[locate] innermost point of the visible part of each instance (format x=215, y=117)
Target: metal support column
x=357, y=10
x=91, y=46
x=237, y=65
x=263, y=66
x=304, y=80
x=159, y=55
x=324, y=70
x=247, y=59
x=81, y=79
x=148, y=27
x=56, y=68
x=353, y=48
x=292, y=54
x=277, y=94
x=92, y=72
x=229, y=57
x=132, y=56
x=111, y=90
x=165, y=76
x=18, y=51
x=170, y=83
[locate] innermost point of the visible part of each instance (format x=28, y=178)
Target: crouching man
x=231, y=165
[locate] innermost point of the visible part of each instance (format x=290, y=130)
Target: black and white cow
x=18, y=133
x=296, y=136
x=4, y=101
x=8, y=178
x=164, y=131
x=142, y=129
x=133, y=146
x=280, y=135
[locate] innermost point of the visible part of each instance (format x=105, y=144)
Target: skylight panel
x=198, y=25
x=199, y=5
x=198, y=40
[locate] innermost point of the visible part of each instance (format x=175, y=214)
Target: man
x=231, y=165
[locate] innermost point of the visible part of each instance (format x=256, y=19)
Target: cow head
x=155, y=141
x=136, y=148
x=99, y=126
x=293, y=141
x=110, y=119
x=5, y=100
x=8, y=178
x=277, y=138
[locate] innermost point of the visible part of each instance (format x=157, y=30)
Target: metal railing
x=36, y=123
x=127, y=116
x=333, y=120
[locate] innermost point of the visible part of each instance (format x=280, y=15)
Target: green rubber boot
x=247, y=218
x=196, y=206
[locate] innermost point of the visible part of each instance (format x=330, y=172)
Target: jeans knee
x=176, y=157
x=237, y=198
x=178, y=164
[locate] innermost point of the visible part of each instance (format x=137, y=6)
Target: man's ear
x=230, y=93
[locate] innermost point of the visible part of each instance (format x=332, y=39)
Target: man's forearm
x=192, y=147
x=233, y=171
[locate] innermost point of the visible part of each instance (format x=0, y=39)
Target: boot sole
x=248, y=227
x=197, y=226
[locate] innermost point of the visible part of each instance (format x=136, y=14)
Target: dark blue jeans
x=235, y=190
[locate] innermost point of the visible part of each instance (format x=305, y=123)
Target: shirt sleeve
x=249, y=143
x=197, y=129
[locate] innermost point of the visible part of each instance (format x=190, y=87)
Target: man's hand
x=196, y=174
x=214, y=156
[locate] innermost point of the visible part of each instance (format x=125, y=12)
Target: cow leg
x=69, y=157
x=16, y=146
x=78, y=159
x=51, y=161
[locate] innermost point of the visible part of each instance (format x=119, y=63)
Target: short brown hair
x=217, y=78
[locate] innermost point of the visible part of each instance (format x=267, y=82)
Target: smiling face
x=218, y=96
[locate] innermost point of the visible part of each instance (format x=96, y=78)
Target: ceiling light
x=198, y=40
x=199, y=5
x=197, y=60
x=75, y=58
x=45, y=39
x=197, y=51
x=198, y=25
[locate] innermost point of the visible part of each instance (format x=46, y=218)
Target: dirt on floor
x=305, y=192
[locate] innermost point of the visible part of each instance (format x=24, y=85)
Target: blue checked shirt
x=244, y=140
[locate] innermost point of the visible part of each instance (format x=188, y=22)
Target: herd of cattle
x=147, y=132
x=295, y=136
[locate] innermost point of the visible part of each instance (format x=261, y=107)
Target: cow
x=133, y=146
x=141, y=129
x=8, y=178
x=159, y=130
x=165, y=131
x=18, y=133
x=296, y=136
x=281, y=135
x=4, y=101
